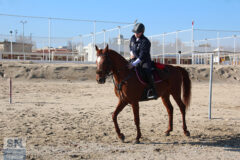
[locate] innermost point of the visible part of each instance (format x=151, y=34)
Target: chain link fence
x=194, y=46
x=191, y=46
x=34, y=38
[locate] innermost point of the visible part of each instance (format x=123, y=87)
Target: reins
x=118, y=86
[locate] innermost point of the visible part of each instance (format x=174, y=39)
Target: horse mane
x=118, y=56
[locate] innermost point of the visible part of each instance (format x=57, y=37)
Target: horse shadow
x=228, y=142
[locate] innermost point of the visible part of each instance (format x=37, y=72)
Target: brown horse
x=129, y=89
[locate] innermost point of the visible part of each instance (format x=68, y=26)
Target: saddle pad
x=143, y=80
x=159, y=65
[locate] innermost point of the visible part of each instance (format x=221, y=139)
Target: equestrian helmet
x=138, y=28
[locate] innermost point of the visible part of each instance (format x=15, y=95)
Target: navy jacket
x=141, y=48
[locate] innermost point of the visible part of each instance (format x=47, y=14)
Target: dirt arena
x=64, y=114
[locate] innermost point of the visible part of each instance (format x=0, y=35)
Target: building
x=57, y=54
x=5, y=46
x=17, y=49
x=89, y=52
x=171, y=59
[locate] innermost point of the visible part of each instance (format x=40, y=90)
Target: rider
x=140, y=55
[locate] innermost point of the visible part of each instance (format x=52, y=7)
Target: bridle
x=109, y=72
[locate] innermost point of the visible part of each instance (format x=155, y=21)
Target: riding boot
x=153, y=94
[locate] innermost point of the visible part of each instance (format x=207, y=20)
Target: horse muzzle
x=101, y=80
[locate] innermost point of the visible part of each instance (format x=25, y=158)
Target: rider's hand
x=132, y=55
x=130, y=66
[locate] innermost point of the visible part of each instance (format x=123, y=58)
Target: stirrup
x=153, y=97
x=151, y=94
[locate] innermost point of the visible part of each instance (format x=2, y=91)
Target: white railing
x=182, y=46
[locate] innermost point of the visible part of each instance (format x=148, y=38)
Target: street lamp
x=23, y=22
x=11, y=44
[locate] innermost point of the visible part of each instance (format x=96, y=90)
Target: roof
x=218, y=49
x=14, y=43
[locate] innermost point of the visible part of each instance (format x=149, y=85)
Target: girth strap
x=119, y=86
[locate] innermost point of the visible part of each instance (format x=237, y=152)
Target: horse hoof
x=137, y=141
x=167, y=133
x=187, y=133
x=122, y=137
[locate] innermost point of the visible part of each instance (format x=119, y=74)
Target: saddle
x=159, y=72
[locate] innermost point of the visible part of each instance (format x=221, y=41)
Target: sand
x=69, y=116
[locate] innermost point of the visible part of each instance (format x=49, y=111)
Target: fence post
x=10, y=90
x=119, y=40
x=234, y=50
x=104, y=38
x=94, y=41
x=151, y=45
x=193, y=45
x=49, y=39
x=177, y=58
x=93, y=45
x=206, y=45
x=218, y=46
x=163, y=44
x=80, y=47
x=210, y=88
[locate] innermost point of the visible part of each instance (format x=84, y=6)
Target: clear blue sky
x=158, y=15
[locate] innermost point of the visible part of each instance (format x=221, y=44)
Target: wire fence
x=191, y=46
x=194, y=46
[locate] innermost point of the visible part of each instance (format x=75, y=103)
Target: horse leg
x=120, y=106
x=169, y=107
x=135, y=108
x=182, y=107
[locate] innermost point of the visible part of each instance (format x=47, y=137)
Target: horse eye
x=99, y=72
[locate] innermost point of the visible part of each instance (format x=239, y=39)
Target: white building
x=90, y=53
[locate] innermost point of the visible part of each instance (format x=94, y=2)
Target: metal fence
x=191, y=46
x=116, y=39
x=171, y=45
x=34, y=38
x=224, y=45
x=194, y=46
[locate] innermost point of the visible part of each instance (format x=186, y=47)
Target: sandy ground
x=64, y=114
x=72, y=120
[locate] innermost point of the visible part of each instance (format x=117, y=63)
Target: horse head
x=103, y=65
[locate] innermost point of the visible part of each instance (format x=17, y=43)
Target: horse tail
x=186, y=84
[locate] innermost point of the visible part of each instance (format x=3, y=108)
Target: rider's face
x=138, y=35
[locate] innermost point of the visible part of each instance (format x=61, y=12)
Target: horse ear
x=106, y=49
x=96, y=47
x=98, y=51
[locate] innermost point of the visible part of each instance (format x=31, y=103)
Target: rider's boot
x=153, y=94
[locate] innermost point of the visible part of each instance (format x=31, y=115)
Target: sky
x=158, y=16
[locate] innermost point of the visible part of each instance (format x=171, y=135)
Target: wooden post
x=10, y=91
